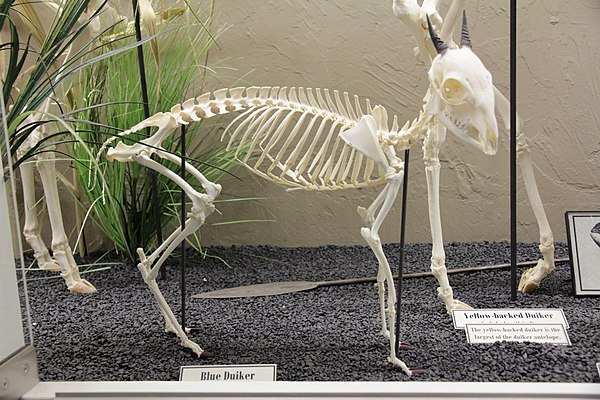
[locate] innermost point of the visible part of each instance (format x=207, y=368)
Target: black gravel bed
x=327, y=334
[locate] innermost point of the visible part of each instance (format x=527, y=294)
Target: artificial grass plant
x=120, y=193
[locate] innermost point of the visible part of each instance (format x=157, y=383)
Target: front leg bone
x=531, y=278
x=438, y=258
x=31, y=228
x=60, y=247
x=62, y=258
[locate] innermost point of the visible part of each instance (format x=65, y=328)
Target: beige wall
x=359, y=47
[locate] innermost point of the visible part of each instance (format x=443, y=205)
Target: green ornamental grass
x=119, y=194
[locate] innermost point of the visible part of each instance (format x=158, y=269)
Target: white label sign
x=598, y=367
x=508, y=316
x=230, y=373
x=538, y=333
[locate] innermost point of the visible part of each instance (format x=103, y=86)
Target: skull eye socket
x=453, y=91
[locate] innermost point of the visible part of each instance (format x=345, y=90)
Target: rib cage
x=288, y=136
x=292, y=137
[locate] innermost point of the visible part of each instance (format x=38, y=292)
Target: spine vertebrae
x=289, y=136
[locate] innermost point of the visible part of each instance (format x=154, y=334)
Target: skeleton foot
x=70, y=271
x=82, y=286
x=195, y=348
x=450, y=302
x=399, y=363
x=46, y=262
x=531, y=279
x=459, y=305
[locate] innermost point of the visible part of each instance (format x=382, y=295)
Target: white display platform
x=312, y=390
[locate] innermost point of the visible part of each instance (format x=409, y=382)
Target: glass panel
x=11, y=327
x=12, y=335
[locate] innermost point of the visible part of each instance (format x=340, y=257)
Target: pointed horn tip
x=465, y=38
x=429, y=23
x=439, y=45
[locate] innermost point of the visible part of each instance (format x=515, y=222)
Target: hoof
x=459, y=305
x=405, y=346
x=205, y=354
x=417, y=371
x=82, y=286
x=399, y=363
x=52, y=266
x=527, y=287
x=527, y=284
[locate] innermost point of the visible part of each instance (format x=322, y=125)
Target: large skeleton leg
x=531, y=278
x=385, y=279
x=431, y=146
x=62, y=257
x=149, y=267
x=61, y=251
x=31, y=228
x=414, y=17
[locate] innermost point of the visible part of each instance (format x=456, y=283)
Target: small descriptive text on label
x=539, y=333
x=462, y=318
x=229, y=373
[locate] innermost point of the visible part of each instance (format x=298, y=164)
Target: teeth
x=459, y=124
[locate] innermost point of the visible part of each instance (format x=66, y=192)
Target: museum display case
x=470, y=274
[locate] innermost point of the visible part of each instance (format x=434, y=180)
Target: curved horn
x=440, y=46
x=465, y=39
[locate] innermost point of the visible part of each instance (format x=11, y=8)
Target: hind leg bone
x=149, y=267
x=385, y=279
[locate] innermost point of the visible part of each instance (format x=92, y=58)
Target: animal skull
x=462, y=98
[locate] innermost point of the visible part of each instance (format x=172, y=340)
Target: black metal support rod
x=513, y=149
x=146, y=105
x=402, y=236
x=183, y=216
